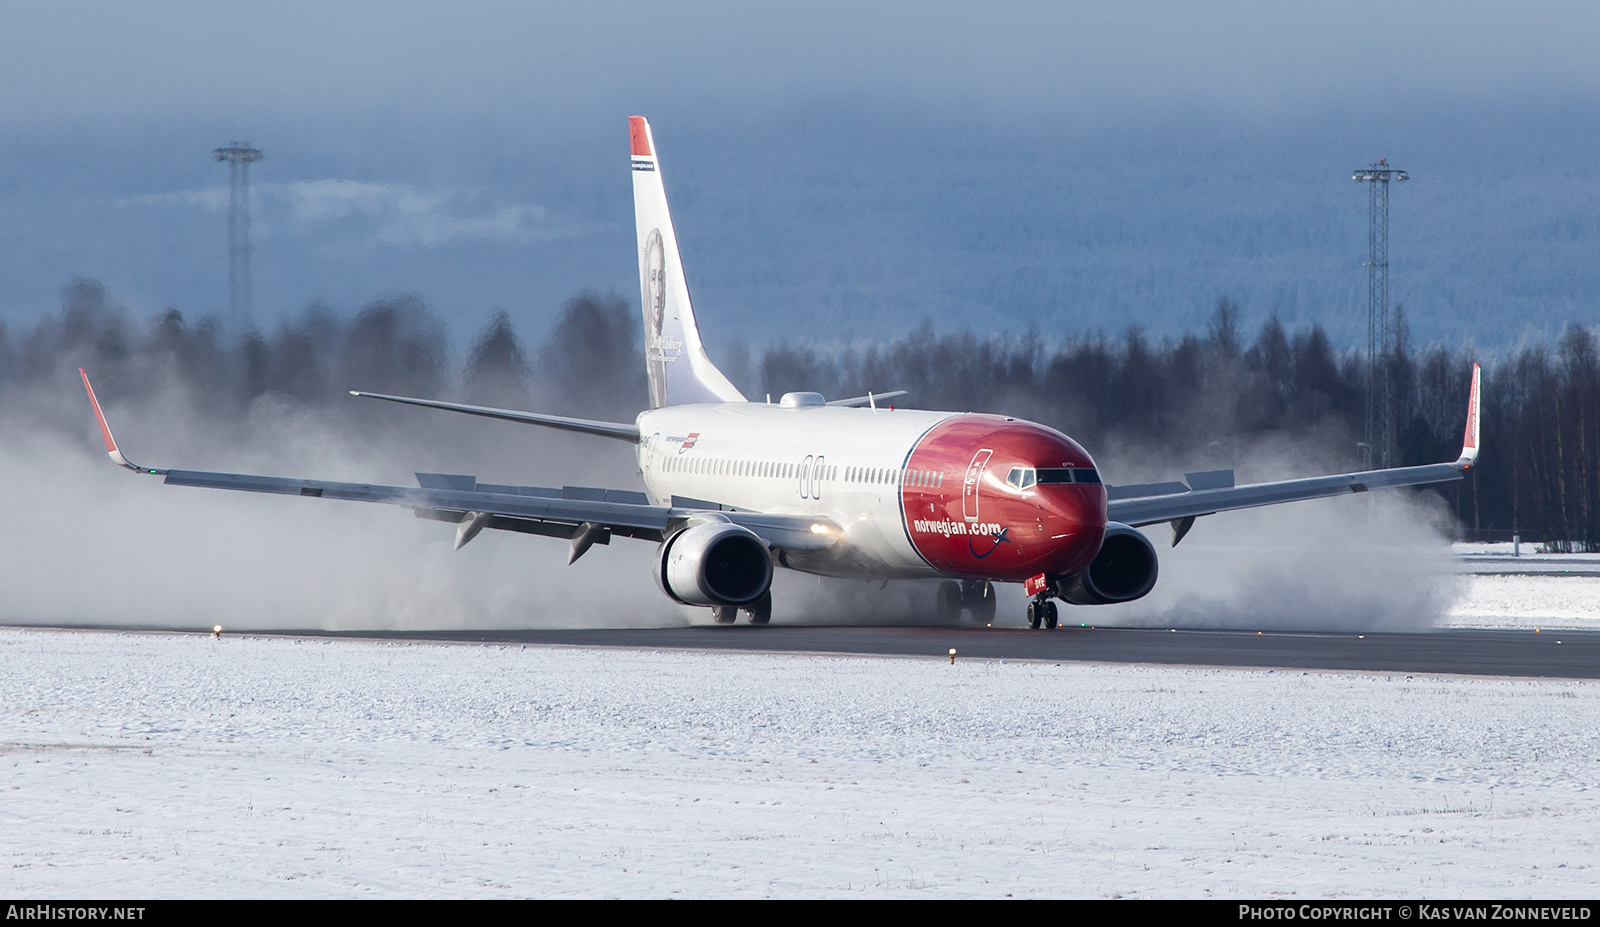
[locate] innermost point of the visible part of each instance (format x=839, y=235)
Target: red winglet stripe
x=105, y=430
x=639, y=134
x=1469, y=441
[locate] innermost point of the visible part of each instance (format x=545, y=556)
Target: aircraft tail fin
x=675, y=360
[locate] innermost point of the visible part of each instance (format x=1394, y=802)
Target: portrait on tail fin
x=653, y=265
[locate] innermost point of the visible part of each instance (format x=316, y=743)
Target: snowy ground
x=1528, y=591
x=1524, y=601
x=160, y=765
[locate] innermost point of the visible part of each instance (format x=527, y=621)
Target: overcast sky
x=1085, y=164
x=93, y=60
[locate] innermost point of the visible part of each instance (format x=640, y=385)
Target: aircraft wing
x=1212, y=492
x=622, y=431
x=584, y=515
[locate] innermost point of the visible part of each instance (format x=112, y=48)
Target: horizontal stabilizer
x=868, y=399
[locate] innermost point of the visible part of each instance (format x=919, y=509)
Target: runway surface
x=1553, y=653
x=1561, y=654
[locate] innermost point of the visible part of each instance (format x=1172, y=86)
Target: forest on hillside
x=1196, y=397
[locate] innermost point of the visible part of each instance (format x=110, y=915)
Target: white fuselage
x=767, y=458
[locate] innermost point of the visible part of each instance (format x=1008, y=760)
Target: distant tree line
x=1538, y=475
x=1196, y=399
x=589, y=364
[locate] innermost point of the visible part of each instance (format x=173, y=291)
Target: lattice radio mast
x=239, y=156
x=1378, y=451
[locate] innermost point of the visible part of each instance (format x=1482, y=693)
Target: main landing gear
x=972, y=595
x=1041, y=611
x=760, y=611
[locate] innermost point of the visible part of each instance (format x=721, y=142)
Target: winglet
x=105, y=432
x=1469, y=441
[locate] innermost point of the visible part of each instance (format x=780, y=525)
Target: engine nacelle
x=715, y=563
x=1124, y=570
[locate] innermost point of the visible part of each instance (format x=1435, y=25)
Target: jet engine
x=715, y=563
x=1124, y=570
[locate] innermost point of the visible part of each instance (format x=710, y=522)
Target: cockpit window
x=1026, y=477
x=1068, y=475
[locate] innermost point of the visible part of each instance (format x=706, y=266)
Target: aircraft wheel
x=760, y=611
x=979, y=599
x=725, y=614
x=1050, y=615
x=947, y=602
x=1034, y=615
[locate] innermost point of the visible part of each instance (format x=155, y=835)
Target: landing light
x=819, y=529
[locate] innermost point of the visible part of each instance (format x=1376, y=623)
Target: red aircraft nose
x=1074, y=525
x=1003, y=500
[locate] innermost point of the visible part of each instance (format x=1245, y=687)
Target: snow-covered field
x=1537, y=601
x=176, y=765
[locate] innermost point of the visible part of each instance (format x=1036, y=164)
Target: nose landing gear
x=1041, y=611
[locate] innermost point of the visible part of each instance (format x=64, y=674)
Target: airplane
x=843, y=488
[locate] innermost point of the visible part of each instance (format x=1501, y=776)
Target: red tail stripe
x=639, y=134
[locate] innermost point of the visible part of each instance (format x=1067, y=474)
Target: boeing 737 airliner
x=851, y=487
